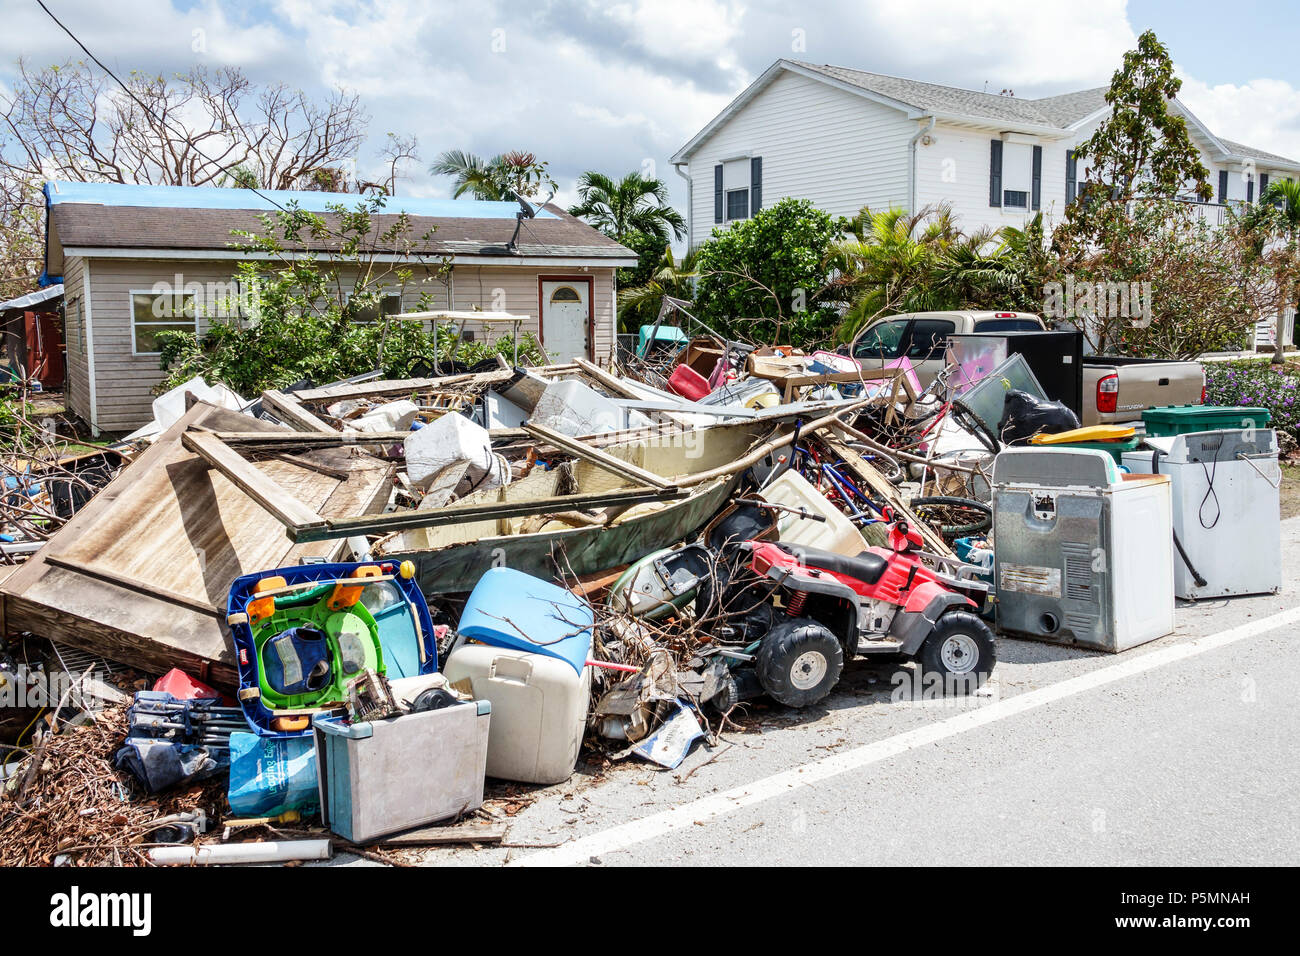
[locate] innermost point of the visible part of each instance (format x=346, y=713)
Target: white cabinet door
x=566, y=312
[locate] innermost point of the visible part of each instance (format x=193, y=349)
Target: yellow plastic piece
x=346, y=595
x=1088, y=433
x=407, y=570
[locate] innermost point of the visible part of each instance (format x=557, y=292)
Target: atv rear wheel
x=799, y=662
x=960, y=649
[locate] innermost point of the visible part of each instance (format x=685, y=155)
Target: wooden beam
x=143, y=587
x=601, y=459
x=433, y=518
x=288, y=510
x=288, y=408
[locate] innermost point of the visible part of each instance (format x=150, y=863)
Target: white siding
x=954, y=168
x=837, y=149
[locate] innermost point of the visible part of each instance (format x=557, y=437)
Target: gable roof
x=172, y=221
x=1049, y=115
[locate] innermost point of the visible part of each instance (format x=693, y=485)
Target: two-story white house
x=845, y=139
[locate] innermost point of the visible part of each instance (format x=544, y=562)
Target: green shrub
x=1257, y=384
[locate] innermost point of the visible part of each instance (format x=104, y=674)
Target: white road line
x=710, y=808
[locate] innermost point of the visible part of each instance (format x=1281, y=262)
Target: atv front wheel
x=799, y=662
x=960, y=650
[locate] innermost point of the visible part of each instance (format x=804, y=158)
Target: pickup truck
x=1120, y=389
x=922, y=337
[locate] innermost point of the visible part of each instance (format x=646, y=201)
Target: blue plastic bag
x=270, y=775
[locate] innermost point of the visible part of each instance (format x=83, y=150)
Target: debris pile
x=493, y=573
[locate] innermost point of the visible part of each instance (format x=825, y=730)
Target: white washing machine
x=1226, y=508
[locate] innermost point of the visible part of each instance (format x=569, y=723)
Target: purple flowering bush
x=1257, y=384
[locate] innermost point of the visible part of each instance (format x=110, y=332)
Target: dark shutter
x=755, y=185
x=995, y=172
x=1263, y=185
x=1223, y=186
x=1071, y=176
x=717, y=193
x=1250, y=188
x=1036, y=184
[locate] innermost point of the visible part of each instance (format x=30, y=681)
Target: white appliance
x=1082, y=554
x=1225, y=508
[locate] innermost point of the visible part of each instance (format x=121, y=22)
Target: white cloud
x=1261, y=113
x=587, y=84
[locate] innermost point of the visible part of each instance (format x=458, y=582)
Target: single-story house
x=130, y=257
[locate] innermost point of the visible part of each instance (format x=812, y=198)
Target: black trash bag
x=1024, y=416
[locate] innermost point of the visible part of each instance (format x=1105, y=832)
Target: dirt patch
x=1290, y=490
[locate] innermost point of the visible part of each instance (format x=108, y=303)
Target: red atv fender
x=926, y=603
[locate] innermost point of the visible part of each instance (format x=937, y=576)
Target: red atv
x=883, y=601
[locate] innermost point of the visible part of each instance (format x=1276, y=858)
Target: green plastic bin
x=1185, y=419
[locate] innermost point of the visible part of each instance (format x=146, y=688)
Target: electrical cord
x=1210, y=492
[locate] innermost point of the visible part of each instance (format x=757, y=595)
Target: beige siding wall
x=124, y=381
x=495, y=289
x=77, y=390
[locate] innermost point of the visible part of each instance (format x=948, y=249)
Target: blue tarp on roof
x=207, y=197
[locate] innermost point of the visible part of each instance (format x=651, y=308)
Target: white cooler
x=539, y=709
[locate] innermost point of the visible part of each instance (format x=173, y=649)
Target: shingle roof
x=932, y=96
x=201, y=218
x=1251, y=153
x=1061, y=111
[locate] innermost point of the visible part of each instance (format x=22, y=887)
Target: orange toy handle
x=346, y=595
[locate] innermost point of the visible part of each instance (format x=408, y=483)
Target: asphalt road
x=1179, y=752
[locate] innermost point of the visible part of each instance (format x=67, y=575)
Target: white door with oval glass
x=566, y=309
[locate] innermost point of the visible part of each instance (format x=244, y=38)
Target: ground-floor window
x=156, y=312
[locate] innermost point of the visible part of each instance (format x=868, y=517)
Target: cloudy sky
x=616, y=85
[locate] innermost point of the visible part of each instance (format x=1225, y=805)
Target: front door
x=566, y=309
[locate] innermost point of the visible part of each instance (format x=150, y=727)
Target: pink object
x=688, y=383
x=904, y=363
x=184, y=687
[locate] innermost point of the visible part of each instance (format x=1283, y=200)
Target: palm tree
x=895, y=261
x=886, y=264
x=638, y=305
x=634, y=203
x=501, y=178
x=1285, y=195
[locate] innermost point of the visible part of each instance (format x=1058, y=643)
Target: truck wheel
x=960, y=649
x=799, y=662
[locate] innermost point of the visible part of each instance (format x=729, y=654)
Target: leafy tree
x=760, y=279
x=633, y=204
x=1284, y=196
x=501, y=178
x=314, y=315
x=893, y=261
x=1202, y=286
x=639, y=304
x=1141, y=151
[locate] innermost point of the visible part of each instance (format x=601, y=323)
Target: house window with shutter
x=1223, y=186
x=995, y=172
x=737, y=180
x=1250, y=188
x=1036, y=179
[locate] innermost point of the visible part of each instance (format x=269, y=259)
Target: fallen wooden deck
x=140, y=574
